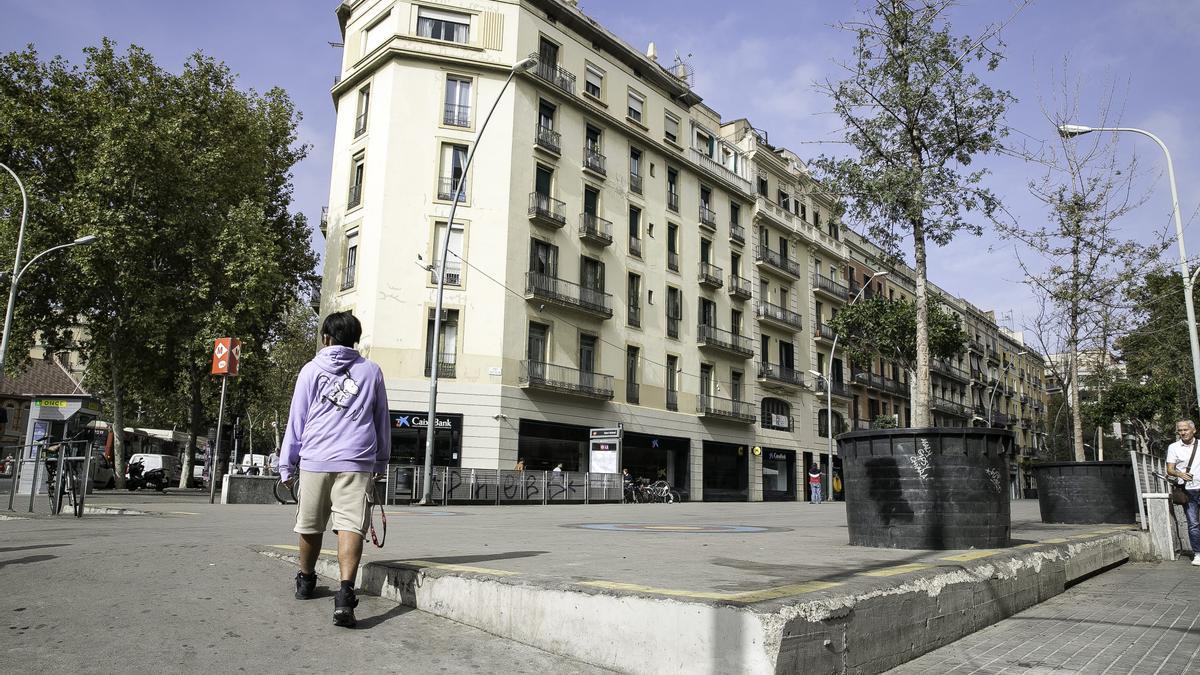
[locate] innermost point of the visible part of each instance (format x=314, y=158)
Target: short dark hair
x=343, y=328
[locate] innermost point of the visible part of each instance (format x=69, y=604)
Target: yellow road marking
x=970, y=555
x=746, y=596
x=1033, y=545
x=457, y=568
x=898, y=569
x=288, y=547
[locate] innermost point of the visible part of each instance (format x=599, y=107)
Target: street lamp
x=1072, y=130
x=828, y=380
x=12, y=292
x=435, y=354
x=992, y=397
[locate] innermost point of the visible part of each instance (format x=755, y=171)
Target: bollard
x=1162, y=530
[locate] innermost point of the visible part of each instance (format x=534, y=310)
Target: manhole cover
x=678, y=528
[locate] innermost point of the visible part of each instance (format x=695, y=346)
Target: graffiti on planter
x=994, y=476
x=564, y=487
x=922, y=461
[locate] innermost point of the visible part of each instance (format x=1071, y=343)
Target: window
x=636, y=103
x=591, y=203
x=350, y=266
x=454, y=264
x=442, y=25
x=635, y=170
x=672, y=189
x=673, y=247
x=374, y=35
x=635, y=231
x=631, y=374
x=704, y=143
x=735, y=214
x=735, y=264
x=705, y=197
x=784, y=200
x=708, y=312
x=674, y=311
x=593, y=82
x=803, y=211
x=592, y=156
x=816, y=217
x=543, y=258
x=447, y=347
x=705, y=251
x=823, y=423
x=364, y=104
x=591, y=276
x=735, y=385
x=735, y=322
x=546, y=112
x=458, y=102
x=776, y=414
x=634, y=300
x=672, y=382
x=762, y=187
x=537, y=346
x=452, y=183
x=671, y=128
x=593, y=135
x=354, y=198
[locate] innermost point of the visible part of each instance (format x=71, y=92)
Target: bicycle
x=70, y=487
x=288, y=494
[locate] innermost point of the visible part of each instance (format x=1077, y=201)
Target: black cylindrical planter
x=937, y=488
x=1084, y=493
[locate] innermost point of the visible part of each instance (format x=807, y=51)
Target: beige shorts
x=342, y=495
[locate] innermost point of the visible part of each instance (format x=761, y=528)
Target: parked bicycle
x=71, y=484
x=288, y=494
x=644, y=492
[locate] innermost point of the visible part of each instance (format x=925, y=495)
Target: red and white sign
x=226, y=354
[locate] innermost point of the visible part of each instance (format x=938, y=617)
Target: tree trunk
x=118, y=423
x=1076, y=416
x=195, y=422
x=920, y=414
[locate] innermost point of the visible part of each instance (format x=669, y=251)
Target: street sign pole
x=216, y=456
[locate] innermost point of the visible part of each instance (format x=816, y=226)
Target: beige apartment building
x=620, y=255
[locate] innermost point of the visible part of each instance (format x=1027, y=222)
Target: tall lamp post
x=828, y=379
x=435, y=354
x=1072, y=130
x=12, y=291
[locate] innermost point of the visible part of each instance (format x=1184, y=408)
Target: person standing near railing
x=814, y=483
x=1182, y=464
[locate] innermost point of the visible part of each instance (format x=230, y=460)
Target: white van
x=168, y=463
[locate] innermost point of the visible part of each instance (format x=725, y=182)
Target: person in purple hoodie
x=337, y=441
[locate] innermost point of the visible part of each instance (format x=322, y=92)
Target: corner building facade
x=619, y=254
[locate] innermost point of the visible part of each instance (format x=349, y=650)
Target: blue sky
x=752, y=59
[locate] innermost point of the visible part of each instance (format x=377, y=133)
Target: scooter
x=154, y=478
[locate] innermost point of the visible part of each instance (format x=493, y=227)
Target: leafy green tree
x=881, y=328
x=917, y=117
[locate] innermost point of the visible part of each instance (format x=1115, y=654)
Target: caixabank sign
x=409, y=420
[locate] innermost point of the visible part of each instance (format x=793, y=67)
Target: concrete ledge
x=237, y=489
x=867, y=622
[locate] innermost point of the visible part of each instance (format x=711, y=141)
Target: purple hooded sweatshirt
x=339, y=417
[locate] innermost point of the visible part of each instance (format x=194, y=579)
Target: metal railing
x=547, y=209
x=593, y=160
x=360, y=124
x=31, y=459
x=457, y=115
x=949, y=369
x=778, y=373
x=947, y=406
x=765, y=254
x=737, y=233
x=710, y=275
x=779, y=314
x=354, y=197
x=566, y=293
x=672, y=400
x=445, y=369
x=711, y=336
x=673, y=261
x=724, y=407
x=838, y=388
x=446, y=189
x=558, y=77
x=823, y=330
x=596, y=229
x=831, y=287
x=451, y=484
x=717, y=169
x=635, y=246
x=634, y=315
x=708, y=217
x=635, y=183
x=548, y=139
x=453, y=274
x=673, y=201
x=542, y=375
x=740, y=287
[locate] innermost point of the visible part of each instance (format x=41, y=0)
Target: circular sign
x=678, y=528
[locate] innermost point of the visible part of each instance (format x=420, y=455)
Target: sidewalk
x=1139, y=618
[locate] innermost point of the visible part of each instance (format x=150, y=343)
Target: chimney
x=652, y=52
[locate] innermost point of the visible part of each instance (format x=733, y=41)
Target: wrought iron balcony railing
x=567, y=294
x=548, y=139
x=830, y=287
x=445, y=369
x=447, y=187
x=708, y=217
x=635, y=183
x=779, y=315
x=740, y=287
x=737, y=233
x=711, y=336
x=710, y=275
x=457, y=115
x=558, y=77
x=673, y=201
x=783, y=374
x=354, y=198
x=542, y=375
x=713, y=406
x=595, y=229
x=777, y=260
x=546, y=209
x=824, y=331
x=593, y=160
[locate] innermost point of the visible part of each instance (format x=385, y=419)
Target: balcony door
x=547, y=53
x=587, y=360
x=536, y=350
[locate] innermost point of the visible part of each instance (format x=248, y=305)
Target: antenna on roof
x=683, y=70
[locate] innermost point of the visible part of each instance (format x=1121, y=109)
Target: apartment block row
x=619, y=255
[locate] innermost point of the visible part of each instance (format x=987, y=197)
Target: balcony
x=708, y=217
x=740, y=288
x=594, y=161
x=978, y=376
x=724, y=409
x=672, y=400
x=324, y=220
x=830, y=287
x=975, y=346
x=635, y=183
x=949, y=370
x=354, y=197
x=546, y=210
x=822, y=331
x=548, y=140
x=836, y=388
x=1026, y=423
x=710, y=275
x=1001, y=420
x=563, y=380
x=447, y=187
x=762, y=254
x=715, y=168
x=949, y=407
x=445, y=370
x=880, y=383
x=737, y=233
x=595, y=229
x=457, y=115
x=771, y=373
x=673, y=261
x=632, y=392
x=552, y=74
x=634, y=315
x=453, y=274
x=673, y=201
x=568, y=295
x=780, y=316
x=723, y=340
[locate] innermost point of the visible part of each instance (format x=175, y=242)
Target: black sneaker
x=343, y=608
x=306, y=585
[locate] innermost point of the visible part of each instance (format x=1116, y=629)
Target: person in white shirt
x=1183, y=463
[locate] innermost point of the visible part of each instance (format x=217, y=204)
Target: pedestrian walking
x=520, y=464
x=337, y=442
x=1181, y=463
x=814, y=483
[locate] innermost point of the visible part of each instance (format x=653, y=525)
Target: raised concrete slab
x=717, y=588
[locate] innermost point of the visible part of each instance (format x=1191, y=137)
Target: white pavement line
x=12, y=518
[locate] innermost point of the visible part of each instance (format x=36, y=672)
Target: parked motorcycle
x=139, y=478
